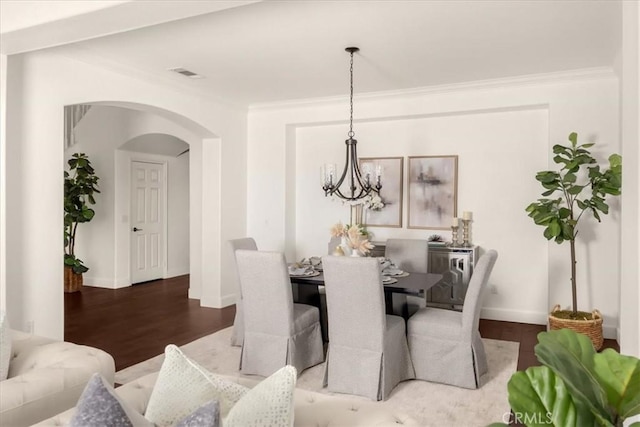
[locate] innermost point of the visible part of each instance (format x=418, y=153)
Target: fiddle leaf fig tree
x=80, y=185
x=575, y=386
x=579, y=186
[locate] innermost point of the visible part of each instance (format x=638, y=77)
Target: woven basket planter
x=589, y=327
x=72, y=281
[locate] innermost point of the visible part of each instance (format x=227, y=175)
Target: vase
x=345, y=246
x=355, y=253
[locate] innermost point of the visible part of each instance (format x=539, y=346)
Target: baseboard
x=176, y=272
x=536, y=318
x=610, y=332
x=122, y=282
x=228, y=300
x=98, y=282
x=509, y=315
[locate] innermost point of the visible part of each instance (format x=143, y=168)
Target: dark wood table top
x=413, y=283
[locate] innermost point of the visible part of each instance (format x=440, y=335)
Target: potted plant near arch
x=579, y=186
x=80, y=185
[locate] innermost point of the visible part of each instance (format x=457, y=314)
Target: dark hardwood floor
x=136, y=323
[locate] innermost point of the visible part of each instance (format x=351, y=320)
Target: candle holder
x=466, y=233
x=454, y=236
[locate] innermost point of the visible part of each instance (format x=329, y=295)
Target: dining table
x=308, y=290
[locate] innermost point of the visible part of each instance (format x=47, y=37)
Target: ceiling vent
x=186, y=73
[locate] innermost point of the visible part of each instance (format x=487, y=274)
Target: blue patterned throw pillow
x=99, y=406
x=208, y=415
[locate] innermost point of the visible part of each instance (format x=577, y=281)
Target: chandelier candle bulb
x=454, y=223
x=327, y=173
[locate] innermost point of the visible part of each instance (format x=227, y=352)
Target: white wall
x=629, y=338
x=178, y=217
x=40, y=84
x=103, y=243
x=98, y=135
x=502, y=131
x=3, y=165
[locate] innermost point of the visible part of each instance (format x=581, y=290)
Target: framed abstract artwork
x=392, y=172
x=433, y=191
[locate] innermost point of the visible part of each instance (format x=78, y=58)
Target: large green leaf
x=540, y=398
x=615, y=160
x=555, y=228
x=571, y=357
x=573, y=137
x=575, y=189
x=619, y=375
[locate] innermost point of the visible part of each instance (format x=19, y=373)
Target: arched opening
x=118, y=135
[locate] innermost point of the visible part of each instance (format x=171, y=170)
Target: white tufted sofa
x=311, y=408
x=47, y=377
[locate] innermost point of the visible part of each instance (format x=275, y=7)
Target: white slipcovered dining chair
x=277, y=332
x=412, y=256
x=445, y=345
x=368, y=353
x=237, y=333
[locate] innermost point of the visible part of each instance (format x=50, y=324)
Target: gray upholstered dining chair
x=368, y=353
x=237, y=333
x=277, y=332
x=445, y=345
x=412, y=256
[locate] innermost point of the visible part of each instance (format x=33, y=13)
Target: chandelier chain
x=351, y=133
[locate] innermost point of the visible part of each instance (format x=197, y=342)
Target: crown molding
x=573, y=76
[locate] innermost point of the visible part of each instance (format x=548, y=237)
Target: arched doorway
x=117, y=134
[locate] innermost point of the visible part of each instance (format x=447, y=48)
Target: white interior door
x=147, y=221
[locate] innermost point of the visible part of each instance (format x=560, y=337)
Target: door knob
x=137, y=229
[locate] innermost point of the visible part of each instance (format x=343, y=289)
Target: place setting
x=306, y=267
x=389, y=270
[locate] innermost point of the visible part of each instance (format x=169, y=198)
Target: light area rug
x=429, y=403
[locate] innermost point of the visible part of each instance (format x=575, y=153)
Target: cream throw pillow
x=269, y=403
x=183, y=386
x=5, y=346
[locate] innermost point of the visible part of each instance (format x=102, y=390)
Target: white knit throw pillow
x=183, y=386
x=269, y=403
x=5, y=346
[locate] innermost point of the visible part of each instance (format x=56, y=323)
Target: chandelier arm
x=344, y=171
x=357, y=175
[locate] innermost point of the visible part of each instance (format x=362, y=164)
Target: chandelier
x=359, y=183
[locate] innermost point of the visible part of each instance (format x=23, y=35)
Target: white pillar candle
x=467, y=215
x=454, y=223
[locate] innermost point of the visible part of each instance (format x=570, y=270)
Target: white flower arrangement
x=373, y=202
x=355, y=235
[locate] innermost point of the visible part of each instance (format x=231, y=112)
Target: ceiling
x=271, y=51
